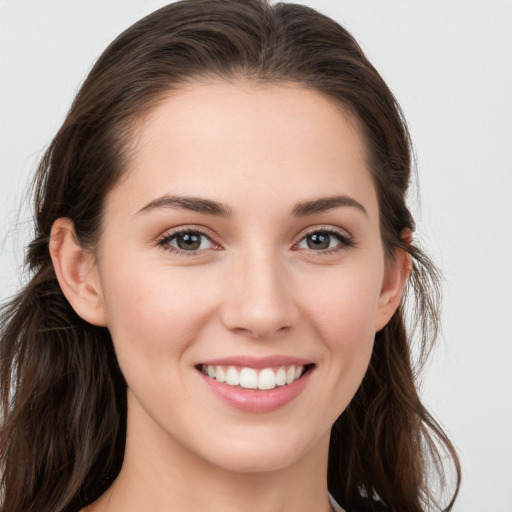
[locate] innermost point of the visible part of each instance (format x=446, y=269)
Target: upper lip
x=257, y=362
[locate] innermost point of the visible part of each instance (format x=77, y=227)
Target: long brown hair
x=63, y=395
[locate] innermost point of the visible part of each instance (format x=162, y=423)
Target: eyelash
x=165, y=240
x=344, y=239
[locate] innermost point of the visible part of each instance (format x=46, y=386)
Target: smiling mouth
x=250, y=378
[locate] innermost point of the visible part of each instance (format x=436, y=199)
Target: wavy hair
x=63, y=396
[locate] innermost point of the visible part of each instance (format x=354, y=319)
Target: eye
x=325, y=240
x=186, y=241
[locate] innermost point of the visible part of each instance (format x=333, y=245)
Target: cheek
x=345, y=304
x=349, y=338
x=350, y=346
x=153, y=311
x=344, y=319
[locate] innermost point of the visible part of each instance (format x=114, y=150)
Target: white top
x=334, y=505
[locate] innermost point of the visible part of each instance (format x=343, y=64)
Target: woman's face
x=242, y=242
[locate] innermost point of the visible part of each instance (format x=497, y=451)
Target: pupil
x=319, y=241
x=189, y=242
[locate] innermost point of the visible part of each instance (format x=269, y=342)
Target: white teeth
x=249, y=378
x=232, y=377
x=281, y=377
x=267, y=379
x=220, y=374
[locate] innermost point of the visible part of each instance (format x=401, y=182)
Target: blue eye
x=323, y=240
x=187, y=241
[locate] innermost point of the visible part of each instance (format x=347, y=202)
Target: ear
x=77, y=273
x=395, y=277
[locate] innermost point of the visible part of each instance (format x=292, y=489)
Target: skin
x=253, y=287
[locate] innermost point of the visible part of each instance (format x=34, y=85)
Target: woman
x=215, y=316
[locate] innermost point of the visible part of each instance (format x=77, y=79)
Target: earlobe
x=392, y=288
x=76, y=272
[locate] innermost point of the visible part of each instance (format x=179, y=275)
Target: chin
x=255, y=463
x=246, y=456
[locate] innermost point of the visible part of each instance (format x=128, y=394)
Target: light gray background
x=449, y=62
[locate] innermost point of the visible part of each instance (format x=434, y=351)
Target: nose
x=259, y=300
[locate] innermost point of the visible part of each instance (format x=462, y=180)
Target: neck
x=160, y=474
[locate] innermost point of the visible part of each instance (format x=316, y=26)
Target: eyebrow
x=194, y=204
x=209, y=207
x=323, y=204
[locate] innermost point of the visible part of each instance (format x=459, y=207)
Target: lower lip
x=253, y=400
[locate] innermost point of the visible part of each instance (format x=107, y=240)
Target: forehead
x=244, y=139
